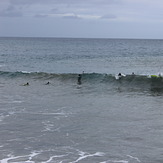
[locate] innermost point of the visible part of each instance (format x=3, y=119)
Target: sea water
x=104, y=119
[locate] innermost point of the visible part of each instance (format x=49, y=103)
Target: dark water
x=105, y=119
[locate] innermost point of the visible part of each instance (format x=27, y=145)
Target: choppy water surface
x=105, y=119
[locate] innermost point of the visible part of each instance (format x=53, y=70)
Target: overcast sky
x=82, y=18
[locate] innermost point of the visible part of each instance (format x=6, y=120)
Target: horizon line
x=122, y=38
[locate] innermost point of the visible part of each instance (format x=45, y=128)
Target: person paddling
x=27, y=84
x=79, y=79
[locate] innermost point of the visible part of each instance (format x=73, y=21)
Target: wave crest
x=127, y=80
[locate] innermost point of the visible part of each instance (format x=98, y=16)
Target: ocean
x=50, y=115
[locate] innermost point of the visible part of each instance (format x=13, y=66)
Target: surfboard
x=155, y=76
x=119, y=76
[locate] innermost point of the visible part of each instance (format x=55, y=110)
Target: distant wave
x=36, y=75
x=127, y=80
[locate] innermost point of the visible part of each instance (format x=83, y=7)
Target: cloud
x=41, y=16
x=71, y=2
x=108, y=16
x=78, y=7
x=69, y=9
x=99, y=16
x=84, y=16
x=124, y=10
x=11, y=11
x=71, y=16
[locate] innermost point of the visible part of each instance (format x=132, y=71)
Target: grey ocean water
x=102, y=120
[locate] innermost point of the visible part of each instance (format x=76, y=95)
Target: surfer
x=27, y=84
x=119, y=74
x=79, y=79
x=47, y=83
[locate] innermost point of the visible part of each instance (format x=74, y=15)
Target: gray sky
x=82, y=18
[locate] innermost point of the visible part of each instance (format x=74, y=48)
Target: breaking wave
x=92, y=78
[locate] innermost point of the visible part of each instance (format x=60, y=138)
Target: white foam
x=134, y=158
x=2, y=117
x=115, y=161
x=48, y=126
x=57, y=156
x=10, y=102
x=26, y=72
x=10, y=157
x=62, y=113
x=2, y=65
x=84, y=155
x=17, y=101
x=121, y=161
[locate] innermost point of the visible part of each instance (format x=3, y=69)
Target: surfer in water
x=47, y=83
x=119, y=74
x=79, y=79
x=27, y=84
